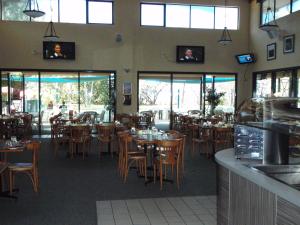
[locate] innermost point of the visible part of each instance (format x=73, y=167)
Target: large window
x=296, y=5
x=100, y=12
x=178, y=16
x=282, y=8
x=189, y=16
x=152, y=14
x=65, y=11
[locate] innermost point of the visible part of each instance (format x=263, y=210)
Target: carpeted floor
x=70, y=188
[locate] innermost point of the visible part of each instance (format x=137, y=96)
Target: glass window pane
x=4, y=92
x=296, y=5
x=100, y=12
x=178, y=16
x=202, y=17
x=232, y=18
x=73, y=11
x=283, y=84
x=263, y=85
x=45, y=6
x=265, y=5
x=283, y=8
x=152, y=15
x=13, y=10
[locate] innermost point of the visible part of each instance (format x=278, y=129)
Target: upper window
x=200, y=12
x=178, y=16
x=76, y=15
x=51, y=11
x=296, y=5
x=13, y=10
x=265, y=6
x=226, y=17
x=282, y=8
x=67, y=11
x=100, y=12
x=189, y=16
x=152, y=14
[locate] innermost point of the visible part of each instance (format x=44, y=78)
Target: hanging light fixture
x=225, y=37
x=32, y=9
x=50, y=33
x=269, y=21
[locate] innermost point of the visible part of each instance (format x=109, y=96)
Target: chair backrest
x=79, y=133
x=105, y=131
x=171, y=149
x=223, y=134
x=35, y=147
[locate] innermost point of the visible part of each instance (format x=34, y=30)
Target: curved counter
x=247, y=196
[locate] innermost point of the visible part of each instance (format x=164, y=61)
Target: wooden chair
x=202, y=136
x=61, y=135
x=80, y=135
x=121, y=156
x=105, y=136
x=169, y=155
x=130, y=157
x=222, y=138
x=31, y=169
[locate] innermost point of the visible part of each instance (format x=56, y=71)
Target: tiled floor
x=195, y=210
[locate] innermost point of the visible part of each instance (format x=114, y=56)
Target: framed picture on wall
x=288, y=44
x=271, y=51
x=127, y=88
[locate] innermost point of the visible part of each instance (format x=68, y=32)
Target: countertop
x=227, y=159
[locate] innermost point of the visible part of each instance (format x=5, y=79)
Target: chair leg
x=154, y=173
x=161, y=174
x=145, y=163
x=11, y=175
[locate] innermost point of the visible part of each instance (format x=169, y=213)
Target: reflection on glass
x=4, y=92
x=232, y=18
x=45, y=6
x=152, y=15
x=263, y=85
x=100, y=12
x=296, y=5
x=283, y=84
x=94, y=94
x=283, y=8
x=31, y=91
x=265, y=5
x=16, y=91
x=59, y=94
x=178, y=16
x=200, y=12
x=155, y=96
x=13, y=10
x=186, y=93
x=76, y=15
x=225, y=84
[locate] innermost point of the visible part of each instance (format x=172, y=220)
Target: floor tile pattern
x=194, y=210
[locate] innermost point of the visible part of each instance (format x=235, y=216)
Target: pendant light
x=32, y=9
x=225, y=37
x=269, y=23
x=50, y=33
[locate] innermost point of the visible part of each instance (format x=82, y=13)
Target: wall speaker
x=119, y=38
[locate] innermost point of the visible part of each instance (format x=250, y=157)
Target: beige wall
x=142, y=49
x=259, y=40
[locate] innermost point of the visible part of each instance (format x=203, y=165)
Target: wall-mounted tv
x=245, y=58
x=59, y=50
x=190, y=54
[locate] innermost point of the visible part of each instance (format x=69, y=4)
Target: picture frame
x=271, y=51
x=127, y=88
x=289, y=44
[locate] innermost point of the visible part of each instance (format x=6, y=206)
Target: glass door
x=263, y=85
x=59, y=94
x=283, y=84
x=187, y=93
x=155, y=96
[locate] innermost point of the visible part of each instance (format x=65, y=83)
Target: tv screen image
x=245, y=58
x=190, y=54
x=59, y=50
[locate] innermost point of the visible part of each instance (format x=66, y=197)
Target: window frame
x=112, y=11
x=190, y=18
x=153, y=3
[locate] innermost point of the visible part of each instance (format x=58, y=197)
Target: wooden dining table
x=151, y=139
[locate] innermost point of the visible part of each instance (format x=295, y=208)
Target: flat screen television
x=59, y=50
x=190, y=54
x=245, y=58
